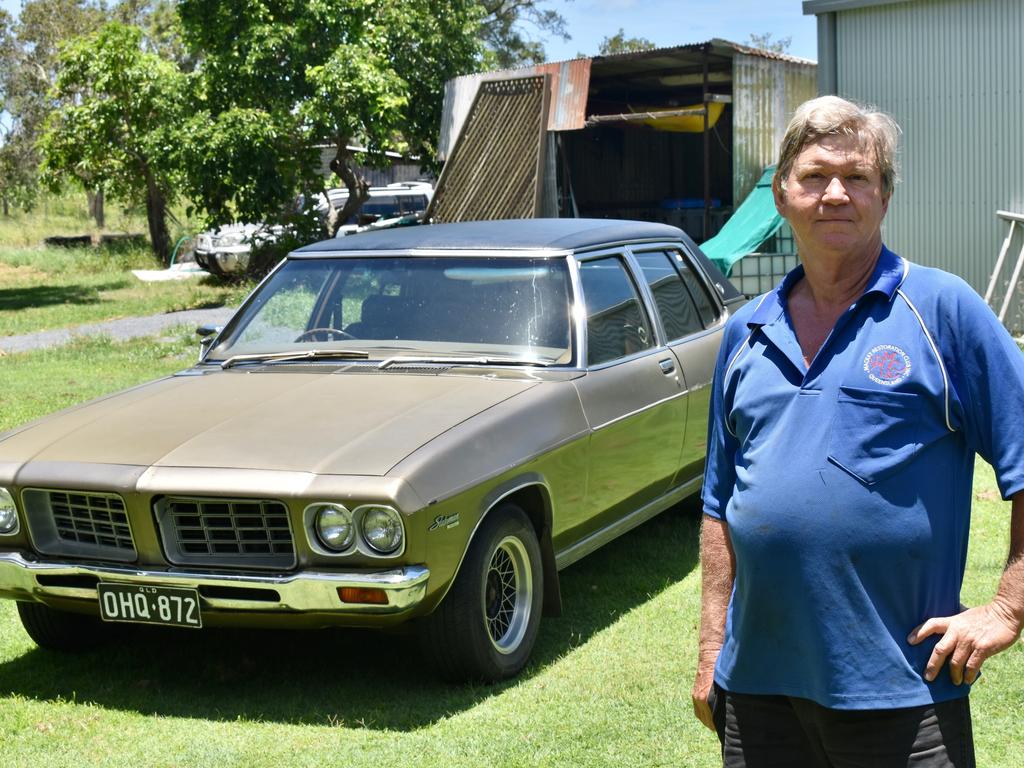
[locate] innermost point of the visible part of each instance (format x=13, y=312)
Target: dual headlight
x=8, y=513
x=337, y=529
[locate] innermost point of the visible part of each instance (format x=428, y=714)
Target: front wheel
x=61, y=630
x=486, y=626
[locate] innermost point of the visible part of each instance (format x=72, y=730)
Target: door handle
x=667, y=366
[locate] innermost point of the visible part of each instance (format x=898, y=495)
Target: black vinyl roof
x=508, y=234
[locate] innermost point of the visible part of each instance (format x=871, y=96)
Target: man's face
x=833, y=199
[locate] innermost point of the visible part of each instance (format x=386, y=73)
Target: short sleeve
x=720, y=466
x=987, y=372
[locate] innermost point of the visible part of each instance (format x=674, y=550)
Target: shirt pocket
x=876, y=433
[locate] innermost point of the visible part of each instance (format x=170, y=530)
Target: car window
x=616, y=322
x=276, y=313
x=480, y=305
x=706, y=306
x=675, y=305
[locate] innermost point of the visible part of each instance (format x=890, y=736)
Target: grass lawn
x=43, y=288
x=608, y=685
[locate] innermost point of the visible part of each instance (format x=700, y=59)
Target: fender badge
x=444, y=521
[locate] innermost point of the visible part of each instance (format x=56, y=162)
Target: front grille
x=79, y=524
x=226, y=532
x=91, y=519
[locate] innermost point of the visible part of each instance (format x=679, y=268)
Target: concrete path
x=123, y=328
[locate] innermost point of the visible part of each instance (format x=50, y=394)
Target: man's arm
x=969, y=638
x=718, y=569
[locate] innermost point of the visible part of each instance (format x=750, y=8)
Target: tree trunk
x=358, y=189
x=95, y=199
x=156, y=216
x=7, y=210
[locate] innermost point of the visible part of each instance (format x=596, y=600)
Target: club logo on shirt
x=887, y=365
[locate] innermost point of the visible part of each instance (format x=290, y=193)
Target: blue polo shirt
x=846, y=485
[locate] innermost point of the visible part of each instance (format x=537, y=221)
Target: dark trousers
x=785, y=732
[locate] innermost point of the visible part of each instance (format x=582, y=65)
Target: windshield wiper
x=309, y=354
x=461, y=361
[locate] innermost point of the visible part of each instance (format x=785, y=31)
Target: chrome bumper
x=306, y=591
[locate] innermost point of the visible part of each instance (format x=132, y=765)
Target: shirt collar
x=888, y=275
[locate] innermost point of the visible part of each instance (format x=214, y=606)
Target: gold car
x=414, y=426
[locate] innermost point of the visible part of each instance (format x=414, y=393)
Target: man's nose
x=835, y=190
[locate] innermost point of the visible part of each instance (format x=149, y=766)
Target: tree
x=28, y=70
x=279, y=77
x=116, y=126
x=619, y=43
x=507, y=43
x=766, y=43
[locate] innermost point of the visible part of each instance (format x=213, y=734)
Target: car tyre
x=486, y=626
x=61, y=630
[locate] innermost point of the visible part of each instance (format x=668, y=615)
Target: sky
x=679, y=22
x=666, y=22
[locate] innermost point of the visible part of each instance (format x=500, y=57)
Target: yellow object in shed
x=682, y=123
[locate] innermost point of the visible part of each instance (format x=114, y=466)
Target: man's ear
x=885, y=203
x=779, y=194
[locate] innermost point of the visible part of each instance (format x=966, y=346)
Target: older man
x=848, y=406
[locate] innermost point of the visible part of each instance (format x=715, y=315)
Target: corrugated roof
x=813, y=7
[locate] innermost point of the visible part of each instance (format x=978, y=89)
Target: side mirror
x=207, y=335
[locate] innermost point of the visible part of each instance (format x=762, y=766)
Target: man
x=848, y=407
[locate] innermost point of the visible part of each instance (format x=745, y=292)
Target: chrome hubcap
x=507, y=593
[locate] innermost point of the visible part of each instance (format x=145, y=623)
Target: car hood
x=325, y=423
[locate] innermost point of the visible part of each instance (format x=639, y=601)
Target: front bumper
x=304, y=592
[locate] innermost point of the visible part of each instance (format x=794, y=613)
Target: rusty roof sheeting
x=569, y=82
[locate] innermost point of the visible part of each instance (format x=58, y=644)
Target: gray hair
x=833, y=116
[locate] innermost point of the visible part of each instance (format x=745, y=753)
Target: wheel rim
x=507, y=595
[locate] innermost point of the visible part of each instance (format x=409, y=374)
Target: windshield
x=515, y=308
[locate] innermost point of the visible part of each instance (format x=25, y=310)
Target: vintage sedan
x=417, y=427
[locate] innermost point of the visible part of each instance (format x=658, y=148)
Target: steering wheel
x=310, y=335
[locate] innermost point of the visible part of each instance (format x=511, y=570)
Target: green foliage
x=117, y=126
x=507, y=36
x=280, y=77
x=766, y=42
x=619, y=43
x=28, y=66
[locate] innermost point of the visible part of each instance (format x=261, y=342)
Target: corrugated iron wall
x=765, y=92
x=950, y=72
x=496, y=168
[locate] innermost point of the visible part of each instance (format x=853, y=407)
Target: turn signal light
x=364, y=595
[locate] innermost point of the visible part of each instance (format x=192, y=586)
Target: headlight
x=382, y=528
x=8, y=513
x=333, y=524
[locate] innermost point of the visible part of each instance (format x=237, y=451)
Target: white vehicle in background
x=228, y=249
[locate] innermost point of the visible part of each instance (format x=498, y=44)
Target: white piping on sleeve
x=736, y=357
x=935, y=351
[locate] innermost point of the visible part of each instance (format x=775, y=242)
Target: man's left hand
x=968, y=639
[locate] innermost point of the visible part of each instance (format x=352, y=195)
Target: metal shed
x=626, y=135
x=949, y=71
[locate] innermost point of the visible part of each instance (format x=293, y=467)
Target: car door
x=632, y=395
x=691, y=322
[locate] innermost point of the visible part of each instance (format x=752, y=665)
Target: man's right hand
x=701, y=690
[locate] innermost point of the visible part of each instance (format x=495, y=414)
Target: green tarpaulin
x=753, y=222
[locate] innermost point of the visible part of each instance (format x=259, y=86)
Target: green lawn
x=46, y=288
x=608, y=686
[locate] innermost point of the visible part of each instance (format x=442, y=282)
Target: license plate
x=144, y=604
